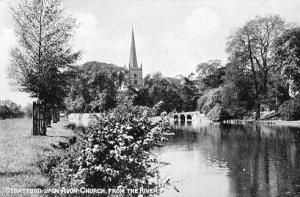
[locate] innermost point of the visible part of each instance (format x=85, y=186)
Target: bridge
x=187, y=117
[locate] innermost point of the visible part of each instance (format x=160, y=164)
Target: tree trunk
x=257, y=101
x=35, y=128
x=257, y=114
x=55, y=115
x=39, y=120
x=42, y=119
x=48, y=116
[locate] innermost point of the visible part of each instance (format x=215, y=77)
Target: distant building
x=135, y=75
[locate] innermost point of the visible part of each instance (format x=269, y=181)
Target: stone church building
x=135, y=75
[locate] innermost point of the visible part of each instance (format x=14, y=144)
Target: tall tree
x=253, y=46
x=207, y=68
x=93, y=87
x=210, y=74
x=189, y=93
x=288, y=58
x=160, y=89
x=43, y=52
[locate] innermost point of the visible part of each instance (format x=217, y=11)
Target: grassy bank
x=20, y=152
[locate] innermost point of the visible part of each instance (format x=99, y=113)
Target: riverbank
x=20, y=152
x=265, y=122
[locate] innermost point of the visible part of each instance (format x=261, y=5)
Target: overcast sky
x=172, y=36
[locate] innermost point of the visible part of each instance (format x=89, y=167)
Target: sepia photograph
x=150, y=98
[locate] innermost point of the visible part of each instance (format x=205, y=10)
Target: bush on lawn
x=116, y=152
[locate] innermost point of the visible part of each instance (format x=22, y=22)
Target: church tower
x=135, y=72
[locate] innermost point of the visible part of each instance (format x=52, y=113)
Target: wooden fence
x=38, y=116
x=42, y=116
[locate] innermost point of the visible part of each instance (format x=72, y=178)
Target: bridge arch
x=176, y=117
x=182, y=118
x=187, y=117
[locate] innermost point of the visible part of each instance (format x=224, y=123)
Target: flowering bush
x=116, y=152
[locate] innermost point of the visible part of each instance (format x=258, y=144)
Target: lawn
x=20, y=152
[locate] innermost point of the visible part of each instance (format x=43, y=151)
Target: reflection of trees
x=262, y=160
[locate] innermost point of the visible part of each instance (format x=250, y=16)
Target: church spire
x=133, y=59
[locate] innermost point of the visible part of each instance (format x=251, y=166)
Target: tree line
x=262, y=73
x=262, y=70
x=11, y=111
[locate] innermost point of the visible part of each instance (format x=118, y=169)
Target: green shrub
x=217, y=113
x=290, y=109
x=209, y=100
x=49, y=161
x=57, y=165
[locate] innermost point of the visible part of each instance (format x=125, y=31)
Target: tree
x=94, y=87
x=288, y=58
x=207, y=68
x=43, y=50
x=210, y=75
x=253, y=46
x=4, y=112
x=189, y=94
x=15, y=110
x=238, y=92
x=159, y=88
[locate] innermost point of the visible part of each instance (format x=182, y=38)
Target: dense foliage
x=262, y=72
x=253, y=47
x=210, y=74
x=177, y=94
x=288, y=58
x=11, y=111
x=290, y=109
x=93, y=87
x=115, y=152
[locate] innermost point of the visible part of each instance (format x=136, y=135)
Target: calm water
x=236, y=160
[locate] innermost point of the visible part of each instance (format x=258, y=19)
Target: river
x=232, y=161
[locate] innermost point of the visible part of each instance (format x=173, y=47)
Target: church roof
x=132, y=59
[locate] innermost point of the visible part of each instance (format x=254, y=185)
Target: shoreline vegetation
x=114, y=151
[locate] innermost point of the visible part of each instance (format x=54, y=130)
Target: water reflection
x=234, y=160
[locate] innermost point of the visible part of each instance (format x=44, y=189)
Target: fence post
x=43, y=118
x=35, y=130
x=38, y=116
x=48, y=116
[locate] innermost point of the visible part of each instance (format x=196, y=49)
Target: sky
x=171, y=36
